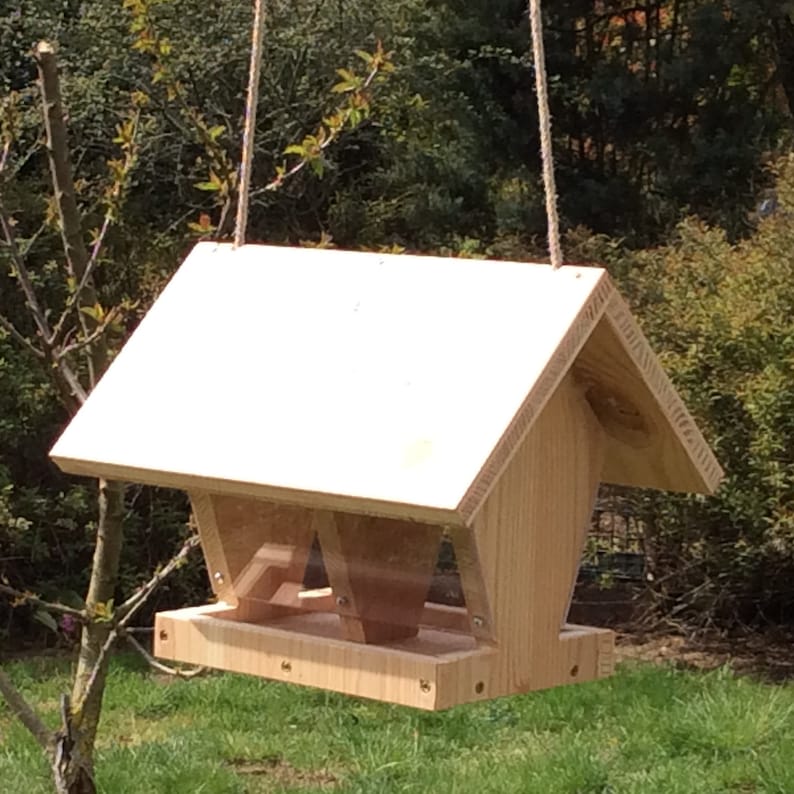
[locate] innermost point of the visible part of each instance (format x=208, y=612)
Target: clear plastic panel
x=352, y=577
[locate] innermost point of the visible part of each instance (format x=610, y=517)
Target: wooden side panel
x=380, y=571
x=474, y=589
x=219, y=567
x=652, y=440
x=529, y=536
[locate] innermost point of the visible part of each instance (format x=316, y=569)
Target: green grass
x=649, y=729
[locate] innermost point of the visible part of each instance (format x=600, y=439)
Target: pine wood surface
x=378, y=380
x=435, y=670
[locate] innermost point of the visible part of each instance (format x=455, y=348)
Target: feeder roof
x=399, y=385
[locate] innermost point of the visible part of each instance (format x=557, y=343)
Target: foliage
x=660, y=109
x=142, y=128
x=648, y=730
x=722, y=315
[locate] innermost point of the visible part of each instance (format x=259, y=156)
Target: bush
x=722, y=316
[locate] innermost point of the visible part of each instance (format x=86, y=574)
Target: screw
x=218, y=577
x=424, y=685
x=163, y=635
x=286, y=666
x=342, y=601
x=575, y=671
x=479, y=687
x=478, y=621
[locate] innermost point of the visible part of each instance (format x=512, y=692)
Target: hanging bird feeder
x=372, y=406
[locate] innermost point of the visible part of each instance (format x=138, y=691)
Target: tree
x=74, y=347
x=74, y=333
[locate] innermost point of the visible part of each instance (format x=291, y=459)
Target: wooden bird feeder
x=375, y=405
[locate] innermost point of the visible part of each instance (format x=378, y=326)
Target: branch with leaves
x=349, y=115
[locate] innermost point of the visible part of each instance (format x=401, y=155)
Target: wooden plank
x=380, y=571
x=217, y=389
x=434, y=670
x=652, y=440
x=307, y=651
x=438, y=616
x=471, y=578
x=220, y=573
x=529, y=535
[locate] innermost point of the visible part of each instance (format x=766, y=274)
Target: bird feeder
x=366, y=409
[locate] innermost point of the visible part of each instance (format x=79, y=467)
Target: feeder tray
x=339, y=416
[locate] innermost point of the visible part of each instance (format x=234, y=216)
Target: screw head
x=478, y=621
x=342, y=601
x=286, y=666
x=424, y=685
x=218, y=577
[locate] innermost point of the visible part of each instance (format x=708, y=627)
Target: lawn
x=648, y=729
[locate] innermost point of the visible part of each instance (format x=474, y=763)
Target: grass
x=648, y=729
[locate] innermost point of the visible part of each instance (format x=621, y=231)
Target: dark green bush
x=722, y=316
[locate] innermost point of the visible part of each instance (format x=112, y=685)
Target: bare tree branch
x=60, y=164
x=25, y=713
x=76, y=391
x=22, y=596
x=23, y=274
x=97, y=668
x=8, y=326
x=125, y=612
x=96, y=334
x=4, y=155
x=159, y=666
x=139, y=597
x=74, y=246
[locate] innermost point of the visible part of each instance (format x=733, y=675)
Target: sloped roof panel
x=338, y=379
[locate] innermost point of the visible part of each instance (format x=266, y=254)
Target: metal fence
x=615, y=549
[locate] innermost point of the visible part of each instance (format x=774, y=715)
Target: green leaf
x=46, y=619
x=318, y=165
x=216, y=131
x=296, y=148
x=209, y=186
x=95, y=312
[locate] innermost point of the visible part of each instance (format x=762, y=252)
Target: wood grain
x=383, y=388
x=529, y=536
x=434, y=670
x=652, y=440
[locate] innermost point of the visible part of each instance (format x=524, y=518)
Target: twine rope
x=249, y=127
x=544, y=118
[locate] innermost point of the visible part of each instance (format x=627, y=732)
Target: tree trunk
x=87, y=695
x=73, y=756
x=73, y=760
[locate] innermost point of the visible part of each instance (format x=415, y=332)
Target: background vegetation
x=673, y=124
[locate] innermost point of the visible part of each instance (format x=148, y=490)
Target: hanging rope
x=249, y=128
x=544, y=116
